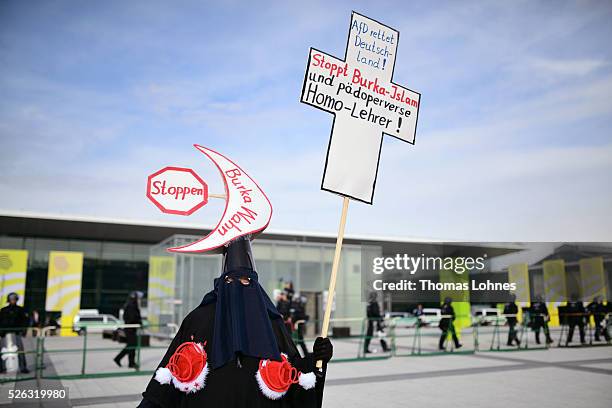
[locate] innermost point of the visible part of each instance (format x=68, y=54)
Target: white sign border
x=331, y=132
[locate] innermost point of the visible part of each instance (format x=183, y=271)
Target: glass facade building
x=111, y=270
x=121, y=256
x=306, y=265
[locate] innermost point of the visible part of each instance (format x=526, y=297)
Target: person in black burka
x=511, y=311
x=446, y=324
x=131, y=315
x=539, y=319
x=241, y=333
x=374, y=319
x=13, y=319
x=575, y=314
x=599, y=311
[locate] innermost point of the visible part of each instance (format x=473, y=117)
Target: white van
x=488, y=316
x=431, y=316
x=94, y=322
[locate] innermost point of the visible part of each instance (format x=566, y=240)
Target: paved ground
x=558, y=377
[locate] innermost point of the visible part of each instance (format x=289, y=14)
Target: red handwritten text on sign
x=177, y=190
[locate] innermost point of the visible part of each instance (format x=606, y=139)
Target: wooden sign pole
x=334, y=273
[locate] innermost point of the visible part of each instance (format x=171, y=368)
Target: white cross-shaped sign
x=365, y=102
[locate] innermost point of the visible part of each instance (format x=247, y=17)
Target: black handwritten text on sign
x=365, y=102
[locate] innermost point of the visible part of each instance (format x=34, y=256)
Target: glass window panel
x=141, y=252
x=90, y=249
x=91, y=319
x=309, y=253
x=117, y=251
x=287, y=271
x=179, y=287
x=328, y=254
x=36, y=286
x=29, y=244
x=205, y=270
x=11, y=243
x=267, y=277
x=262, y=251
x=283, y=252
x=327, y=267
x=311, y=276
x=43, y=246
x=285, y=265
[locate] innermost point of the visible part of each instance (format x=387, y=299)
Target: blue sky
x=514, y=141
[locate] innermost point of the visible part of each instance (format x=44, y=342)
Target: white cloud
x=563, y=68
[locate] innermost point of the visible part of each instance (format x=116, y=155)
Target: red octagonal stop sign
x=177, y=190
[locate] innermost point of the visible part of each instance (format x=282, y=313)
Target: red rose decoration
x=275, y=377
x=187, y=362
x=187, y=369
x=278, y=375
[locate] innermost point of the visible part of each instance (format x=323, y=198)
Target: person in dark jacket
x=418, y=313
x=374, y=319
x=539, y=319
x=131, y=315
x=234, y=351
x=289, y=290
x=446, y=324
x=299, y=319
x=511, y=311
x=283, y=305
x=13, y=319
x=599, y=311
x=575, y=317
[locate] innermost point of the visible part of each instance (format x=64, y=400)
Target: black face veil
x=243, y=312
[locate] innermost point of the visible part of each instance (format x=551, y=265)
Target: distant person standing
x=283, y=305
x=446, y=324
x=418, y=312
x=599, y=311
x=374, y=318
x=575, y=317
x=14, y=320
x=539, y=319
x=511, y=311
x=131, y=315
x=288, y=289
x=299, y=319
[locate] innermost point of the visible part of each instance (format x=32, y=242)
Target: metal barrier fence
x=582, y=321
x=427, y=337
x=522, y=334
x=46, y=344
x=421, y=339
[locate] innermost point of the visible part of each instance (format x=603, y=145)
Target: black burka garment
x=243, y=318
x=233, y=385
x=248, y=329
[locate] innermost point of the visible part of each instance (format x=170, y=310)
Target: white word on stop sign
x=359, y=91
x=177, y=190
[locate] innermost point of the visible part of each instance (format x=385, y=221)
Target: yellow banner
x=160, y=294
x=460, y=298
x=13, y=268
x=64, y=287
x=519, y=274
x=592, y=278
x=555, y=290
